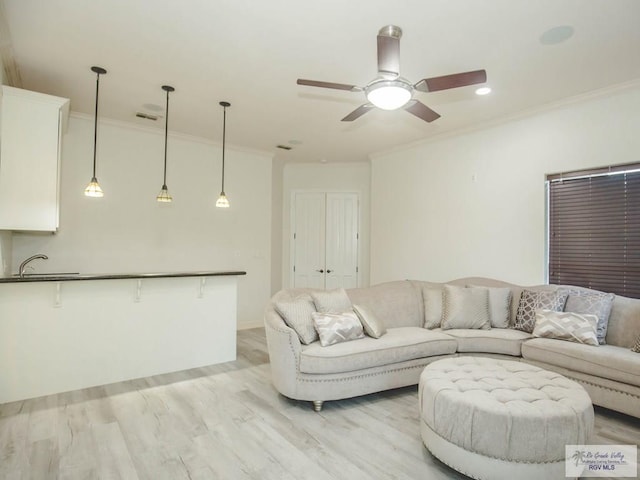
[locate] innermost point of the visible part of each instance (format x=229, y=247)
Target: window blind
x=594, y=232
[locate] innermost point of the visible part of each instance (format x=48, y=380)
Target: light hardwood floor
x=227, y=422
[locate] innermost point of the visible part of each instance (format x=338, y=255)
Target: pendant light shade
x=93, y=189
x=164, y=196
x=222, y=201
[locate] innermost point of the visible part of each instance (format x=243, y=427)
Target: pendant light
x=222, y=201
x=164, y=196
x=93, y=189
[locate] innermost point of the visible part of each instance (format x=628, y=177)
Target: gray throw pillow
x=499, y=305
x=432, y=298
x=373, y=326
x=331, y=301
x=532, y=300
x=598, y=304
x=297, y=315
x=465, y=308
x=337, y=327
x=636, y=347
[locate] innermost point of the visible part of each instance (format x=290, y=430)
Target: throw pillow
x=570, y=326
x=465, y=308
x=598, y=304
x=337, y=327
x=636, y=347
x=499, y=306
x=297, y=314
x=331, y=301
x=532, y=300
x=373, y=326
x=432, y=298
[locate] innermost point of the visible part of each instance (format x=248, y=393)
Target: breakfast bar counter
x=66, y=277
x=61, y=332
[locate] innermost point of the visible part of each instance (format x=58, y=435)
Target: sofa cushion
x=433, y=299
x=570, y=326
x=398, y=345
x=607, y=361
x=598, y=304
x=373, y=326
x=465, y=308
x=506, y=341
x=337, y=327
x=296, y=313
x=624, y=322
x=532, y=300
x=331, y=301
x=499, y=305
x=397, y=304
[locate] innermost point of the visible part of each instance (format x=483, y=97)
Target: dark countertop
x=67, y=277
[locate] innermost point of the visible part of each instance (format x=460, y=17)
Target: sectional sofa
x=303, y=369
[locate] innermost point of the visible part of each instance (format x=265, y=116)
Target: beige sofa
x=610, y=373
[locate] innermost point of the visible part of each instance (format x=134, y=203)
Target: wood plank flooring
x=227, y=422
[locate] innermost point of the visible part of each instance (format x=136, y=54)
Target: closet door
x=309, y=240
x=325, y=240
x=341, y=246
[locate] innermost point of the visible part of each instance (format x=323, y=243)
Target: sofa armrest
x=284, y=348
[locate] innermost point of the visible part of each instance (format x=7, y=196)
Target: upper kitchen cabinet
x=31, y=129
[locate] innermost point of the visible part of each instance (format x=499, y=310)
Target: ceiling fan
x=390, y=91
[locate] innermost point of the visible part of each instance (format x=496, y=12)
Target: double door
x=325, y=240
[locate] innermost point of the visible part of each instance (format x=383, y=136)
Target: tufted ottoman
x=501, y=419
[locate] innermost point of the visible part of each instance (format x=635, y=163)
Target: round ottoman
x=499, y=419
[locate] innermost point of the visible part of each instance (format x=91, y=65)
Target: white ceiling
x=250, y=53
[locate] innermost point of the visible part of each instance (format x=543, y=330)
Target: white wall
x=474, y=204
x=128, y=231
x=328, y=177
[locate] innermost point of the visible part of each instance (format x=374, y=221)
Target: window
x=594, y=229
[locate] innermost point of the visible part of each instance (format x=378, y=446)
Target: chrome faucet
x=24, y=264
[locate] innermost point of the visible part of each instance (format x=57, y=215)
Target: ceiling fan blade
x=389, y=54
x=335, y=86
x=451, y=81
x=420, y=110
x=358, y=112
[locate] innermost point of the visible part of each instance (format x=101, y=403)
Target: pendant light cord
x=166, y=133
x=224, y=136
x=95, y=125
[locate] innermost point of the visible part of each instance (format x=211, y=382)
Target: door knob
x=329, y=271
x=320, y=271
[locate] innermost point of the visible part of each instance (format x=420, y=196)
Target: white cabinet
x=31, y=131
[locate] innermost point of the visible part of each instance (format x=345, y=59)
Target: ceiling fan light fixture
x=483, y=91
x=389, y=94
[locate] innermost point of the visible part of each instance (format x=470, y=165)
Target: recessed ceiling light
x=483, y=90
x=556, y=35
